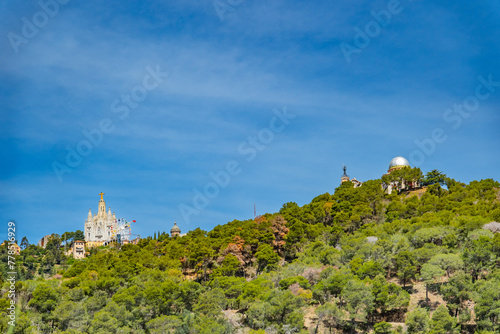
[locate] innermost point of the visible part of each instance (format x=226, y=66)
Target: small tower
x=175, y=231
x=102, y=207
x=344, y=177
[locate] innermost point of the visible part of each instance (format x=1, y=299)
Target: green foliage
x=488, y=303
x=330, y=314
x=358, y=299
x=266, y=257
x=207, y=325
x=211, y=303
x=45, y=298
x=382, y=328
x=442, y=322
x=329, y=256
x=338, y=256
x=164, y=324
x=370, y=269
x=389, y=296
x=434, y=177
x=254, y=290
x=279, y=308
x=332, y=284
x=417, y=321
x=405, y=264
x=285, y=283
x=403, y=175
x=447, y=262
x=433, y=235
x=457, y=291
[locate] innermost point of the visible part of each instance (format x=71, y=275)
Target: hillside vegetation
x=355, y=261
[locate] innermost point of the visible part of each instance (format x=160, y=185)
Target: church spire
x=102, y=206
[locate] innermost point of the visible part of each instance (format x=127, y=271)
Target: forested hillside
x=359, y=260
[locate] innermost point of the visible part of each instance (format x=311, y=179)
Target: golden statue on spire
x=101, y=195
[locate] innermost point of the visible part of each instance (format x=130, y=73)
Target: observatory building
x=395, y=164
x=393, y=182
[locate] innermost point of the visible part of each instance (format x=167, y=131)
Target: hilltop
x=359, y=260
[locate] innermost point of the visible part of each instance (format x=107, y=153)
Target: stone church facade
x=99, y=227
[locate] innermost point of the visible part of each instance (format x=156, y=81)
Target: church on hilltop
x=99, y=227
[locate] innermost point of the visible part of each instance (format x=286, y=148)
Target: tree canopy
x=352, y=259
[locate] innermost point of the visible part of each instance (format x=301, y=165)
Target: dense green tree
x=477, y=257
x=457, y=291
x=488, y=303
x=70, y=315
x=211, y=303
x=129, y=297
x=79, y=235
x=331, y=284
x=45, y=298
x=230, y=265
x=417, y=321
x=383, y=328
x=279, y=308
x=433, y=177
x=429, y=274
x=53, y=254
x=405, y=264
x=96, y=302
x=433, y=235
x=330, y=315
x=285, y=283
x=329, y=256
x=208, y=325
x=164, y=324
x=426, y=252
x=389, y=296
x=442, y=322
x=447, y=262
x=266, y=257
x=370, y=269
x=111, y=319
x=358, y=299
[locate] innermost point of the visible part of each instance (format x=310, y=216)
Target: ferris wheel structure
x=122, y=230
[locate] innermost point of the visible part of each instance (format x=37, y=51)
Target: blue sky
x=224, y=75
